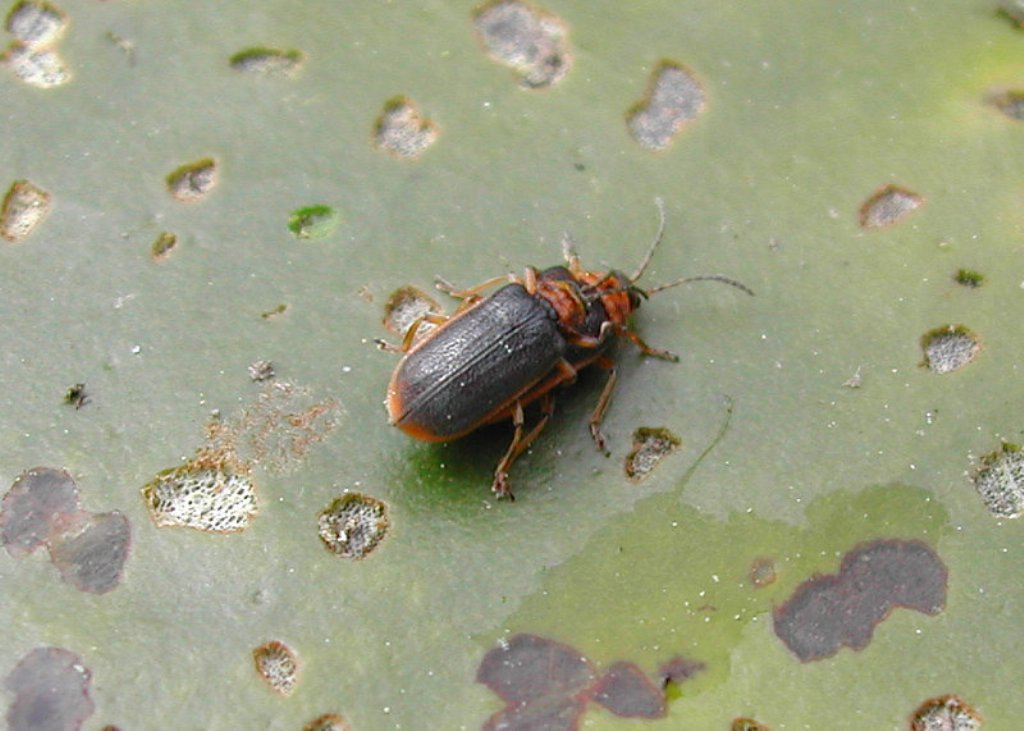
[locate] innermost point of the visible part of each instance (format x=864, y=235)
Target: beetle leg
x=570, y=255
x=520, y=443
x=530, y=280
x=410, y=334
x=602, y=405
x=590, y=341
x=568, y=372
x=647, y=349
x=450, y=289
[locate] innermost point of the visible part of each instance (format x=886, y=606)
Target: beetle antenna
x=703, y=278
x=654, y=244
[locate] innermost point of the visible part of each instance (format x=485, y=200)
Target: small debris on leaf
x=1010, y=103
x=77, y=396
x=163, y=246
x=261, y=370
x=969, y=278
x=328, y=722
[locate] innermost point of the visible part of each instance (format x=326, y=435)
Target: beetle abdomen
x=456, y=378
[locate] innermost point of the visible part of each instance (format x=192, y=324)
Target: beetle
x=498, y=353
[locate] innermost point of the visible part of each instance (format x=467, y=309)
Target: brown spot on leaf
x=762, y=572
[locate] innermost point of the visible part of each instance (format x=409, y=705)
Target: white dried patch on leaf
x=277, y=664
x=674, y=98
x=36, y=23
x=532, y=42
x=267, y=61
x=204, y=497
x=353, y=525
x=24, y=208
x=946, y=713
x=39, y=67
x=192, y=182
x=1000, y=482
x=405, y=306
x=650, y=446
x=402, y=131
x=889, y=206
x=949, y=348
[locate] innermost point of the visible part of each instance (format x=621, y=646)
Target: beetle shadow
x=462, y=471
x=459, y=471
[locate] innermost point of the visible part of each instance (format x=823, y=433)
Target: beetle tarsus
x=597, y=417
x=385, y=345
x=501, y=489
x=647, y=349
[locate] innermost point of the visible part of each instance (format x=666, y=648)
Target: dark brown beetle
x=498, y=353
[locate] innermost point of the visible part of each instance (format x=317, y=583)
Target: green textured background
x=811, y=107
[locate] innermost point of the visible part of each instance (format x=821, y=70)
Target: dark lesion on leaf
x=546, y=685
